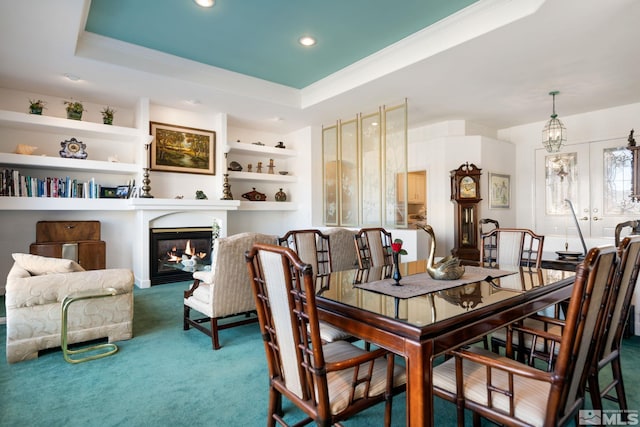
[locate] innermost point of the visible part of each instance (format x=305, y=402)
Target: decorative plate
x=73, y=149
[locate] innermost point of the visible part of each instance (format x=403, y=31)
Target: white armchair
x=225, y=291
x=36, y=287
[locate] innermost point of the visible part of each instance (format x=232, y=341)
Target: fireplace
x=177, y=252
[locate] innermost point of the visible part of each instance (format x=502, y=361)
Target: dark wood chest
x=76, y=240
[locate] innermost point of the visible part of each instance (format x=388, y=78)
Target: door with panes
x=596, y=178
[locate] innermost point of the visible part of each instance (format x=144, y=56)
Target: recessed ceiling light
x=72, y=77
x=307, y=41
x=205, y=3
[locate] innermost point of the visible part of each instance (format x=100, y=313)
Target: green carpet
x=165, y=376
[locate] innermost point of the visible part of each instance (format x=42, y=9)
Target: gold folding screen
x=365, y=169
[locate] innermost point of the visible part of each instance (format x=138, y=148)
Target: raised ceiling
x=259, y=38
x=491, y=63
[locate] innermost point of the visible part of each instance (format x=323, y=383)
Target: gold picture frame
x=182, y=149
x=499, y=191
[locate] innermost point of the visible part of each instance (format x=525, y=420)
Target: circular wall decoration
x=73, y=149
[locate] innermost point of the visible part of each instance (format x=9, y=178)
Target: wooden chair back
x=373, y=246
x=312, y=247
x=626, y=228
x=283, y=288
x=485, y=225
x=584, y=324
x=614, y=328
x=514, y=247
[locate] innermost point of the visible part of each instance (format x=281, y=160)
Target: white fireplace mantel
x=160, y=213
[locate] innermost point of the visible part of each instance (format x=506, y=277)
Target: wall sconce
x=554, y=133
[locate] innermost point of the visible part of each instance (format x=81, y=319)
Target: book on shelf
x=15, y=184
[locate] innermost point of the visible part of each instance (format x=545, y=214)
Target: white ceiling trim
x=467, y=24
x=127, y=55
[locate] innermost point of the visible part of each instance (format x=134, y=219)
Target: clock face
x=467, y=188
x=73, y=149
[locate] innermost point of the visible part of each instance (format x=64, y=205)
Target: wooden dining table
x=422, y=324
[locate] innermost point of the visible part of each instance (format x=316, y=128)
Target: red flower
x=396, y=247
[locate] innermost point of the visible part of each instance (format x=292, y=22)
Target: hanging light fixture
x=554, y=133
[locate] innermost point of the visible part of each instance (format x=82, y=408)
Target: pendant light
x=554, y=133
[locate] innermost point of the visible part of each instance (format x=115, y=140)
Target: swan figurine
x=448, y=268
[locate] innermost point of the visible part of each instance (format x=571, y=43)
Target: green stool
x=109, y=348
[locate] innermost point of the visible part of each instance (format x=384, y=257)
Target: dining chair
x=611, y=339
x=624, y=229
x=509, y=392
x=485, y=225
x=513, y=247
x=314, y=248
x=329, y=382
x=533, y=331
x=373, y=246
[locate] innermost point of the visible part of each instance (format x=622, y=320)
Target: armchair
x=343, y=251
x=36, y=287
x=224, y=291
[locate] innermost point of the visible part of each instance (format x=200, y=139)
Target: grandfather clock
x=465, y=193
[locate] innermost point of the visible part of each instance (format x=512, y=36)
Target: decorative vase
x=107, y=120
x=396, y=269
x=35, y=110
x=281, y=196
x=74, y=115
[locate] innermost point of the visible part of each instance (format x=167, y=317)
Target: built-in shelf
x=59, y=163
x=264, y=177
x=62, y=204
x=190, y=204
x=267, y=206
x=75, y=128
x=80, y=204
x=245, y=148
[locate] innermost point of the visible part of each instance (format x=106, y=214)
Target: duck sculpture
x=448, y=268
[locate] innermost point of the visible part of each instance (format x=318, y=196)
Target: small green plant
x=37, y=103
x=107, y=115
x=36, y=106
x=74, y=106
x=107, y=112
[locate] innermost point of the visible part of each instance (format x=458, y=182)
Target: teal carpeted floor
x=165, y=376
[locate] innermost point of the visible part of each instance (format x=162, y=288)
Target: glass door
x=596, y=177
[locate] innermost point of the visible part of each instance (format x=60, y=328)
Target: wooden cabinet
x=417, y=188
x=76, y=240
x=91, y=255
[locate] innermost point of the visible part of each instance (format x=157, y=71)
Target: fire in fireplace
x=175, y=253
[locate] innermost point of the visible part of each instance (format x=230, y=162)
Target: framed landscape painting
x=499, y=191
x=182, y=149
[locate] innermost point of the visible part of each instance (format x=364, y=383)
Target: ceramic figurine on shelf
x=255, y=196
x=280, y=145
x=249, y=167
x=271, y=166
x=259, y=168
x=281, y=196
